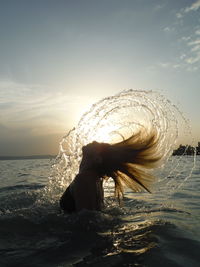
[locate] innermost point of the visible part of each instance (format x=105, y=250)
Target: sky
x=59, y=57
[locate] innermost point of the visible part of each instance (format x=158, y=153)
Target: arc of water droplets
x=111, y=119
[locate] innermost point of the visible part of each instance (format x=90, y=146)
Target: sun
x=105, y=134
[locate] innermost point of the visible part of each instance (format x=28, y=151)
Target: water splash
x=114, y=118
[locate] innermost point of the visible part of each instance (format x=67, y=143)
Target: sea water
x=147, y=230
x=155, y=229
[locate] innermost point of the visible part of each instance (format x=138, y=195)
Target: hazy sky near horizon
x=58, y=57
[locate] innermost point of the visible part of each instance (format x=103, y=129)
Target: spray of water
x=115, y=118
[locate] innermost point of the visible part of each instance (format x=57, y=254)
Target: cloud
x=193, y=56
x=194, y=7
x=192, y=60
x=197, y=32
x=190, y=45
x=38, y=109
x=33, y=118
x=195, y=46
x=168, y=29
x=169, y=65
x=159, y=6
x=185, y=38
x=179, y=15
x=30, y=118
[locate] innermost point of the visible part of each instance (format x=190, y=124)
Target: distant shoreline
x=49, y=157
x=27, y=157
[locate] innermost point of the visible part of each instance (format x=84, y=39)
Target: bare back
x=87, y=191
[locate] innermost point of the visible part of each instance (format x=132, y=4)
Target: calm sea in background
x=159, y=229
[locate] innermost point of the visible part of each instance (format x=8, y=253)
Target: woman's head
x=93, y=155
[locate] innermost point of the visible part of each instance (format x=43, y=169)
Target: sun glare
x=105, y=134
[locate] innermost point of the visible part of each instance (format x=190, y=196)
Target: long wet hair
x=129, y=162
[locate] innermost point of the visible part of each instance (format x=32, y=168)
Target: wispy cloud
x=186, y=38
x=169, y=65
x=197, y=32
x=37, y=109
x=159, y=6
x=168, y=29
x=190, y=44
x=193, y=7
x=179, y=15
x=183, y=35
x=193, y=54
x=194, y=43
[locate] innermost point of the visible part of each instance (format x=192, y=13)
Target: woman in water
x=126, y=162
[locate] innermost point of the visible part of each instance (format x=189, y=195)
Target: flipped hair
x=129, y=162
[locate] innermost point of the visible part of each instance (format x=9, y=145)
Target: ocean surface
x=158, y=229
